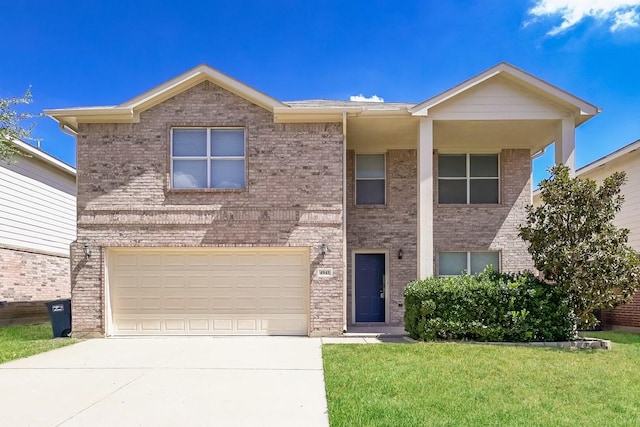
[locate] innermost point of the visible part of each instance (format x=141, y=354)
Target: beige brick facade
x=31, y=276
x=296, y=182
x=489, y=227
x=293, y=196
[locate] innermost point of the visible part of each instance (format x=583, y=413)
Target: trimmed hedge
x=489, y=306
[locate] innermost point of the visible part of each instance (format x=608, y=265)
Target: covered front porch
x=503, y=112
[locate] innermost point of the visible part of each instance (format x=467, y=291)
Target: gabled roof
x=554, y=94
x=311, y=110
x=36, y=153
x=129, y=111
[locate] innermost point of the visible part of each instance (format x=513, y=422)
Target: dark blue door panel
x=369, y=298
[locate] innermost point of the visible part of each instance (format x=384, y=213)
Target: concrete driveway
x=190, y=381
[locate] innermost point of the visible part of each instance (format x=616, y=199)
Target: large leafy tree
x=576, y=246
x=11, y=124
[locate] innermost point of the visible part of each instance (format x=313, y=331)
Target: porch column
x=566, y=144
x=425, y=198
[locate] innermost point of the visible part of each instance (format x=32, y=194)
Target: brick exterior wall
x=293, y=196
x=489, y=227
x=627, y=315
x=29, y=276
x=386, y=228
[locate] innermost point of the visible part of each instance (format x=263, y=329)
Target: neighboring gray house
x=207, y=207
x=37, y=225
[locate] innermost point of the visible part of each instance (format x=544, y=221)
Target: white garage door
x=232, y=291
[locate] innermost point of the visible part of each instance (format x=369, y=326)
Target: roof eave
x=45, y=157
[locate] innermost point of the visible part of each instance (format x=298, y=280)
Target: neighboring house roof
x=37, y=153
x=313, y=110
x=627, y=149
x=554, y=94
x=602, y=161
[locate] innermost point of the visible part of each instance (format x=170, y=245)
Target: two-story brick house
x=208, y=207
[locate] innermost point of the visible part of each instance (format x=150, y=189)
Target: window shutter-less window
x=370, y=179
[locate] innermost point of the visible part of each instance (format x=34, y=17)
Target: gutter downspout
x=344, y=221
x=64, y=128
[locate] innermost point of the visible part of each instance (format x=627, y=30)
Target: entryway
x=369, y=287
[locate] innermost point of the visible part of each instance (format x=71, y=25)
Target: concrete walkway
x=236, y=381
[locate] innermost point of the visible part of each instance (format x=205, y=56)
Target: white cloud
x=626, y=19
x=619, y=14
x=362, y=98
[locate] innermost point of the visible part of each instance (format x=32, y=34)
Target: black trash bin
x=60, y=315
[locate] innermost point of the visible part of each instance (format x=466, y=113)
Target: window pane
x=370, y=192
x=452, y=165
x=479, y=260
x=227, y=173
x=452, y=191
x=452, y=263
x=189, y=174
x=227, y=142
x=189, y=142
x=484, y=191
x=484, y=165
x=370, y=166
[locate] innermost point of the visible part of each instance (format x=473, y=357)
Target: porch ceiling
x=492, y=136
x=377, y=135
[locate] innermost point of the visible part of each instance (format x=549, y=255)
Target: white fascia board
x=45, y=157
x=627, y=149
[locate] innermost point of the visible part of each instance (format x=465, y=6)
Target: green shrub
x=487, y=307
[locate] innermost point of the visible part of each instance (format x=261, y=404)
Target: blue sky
x=79, y=53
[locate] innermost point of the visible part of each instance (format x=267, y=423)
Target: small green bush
x=489, y=306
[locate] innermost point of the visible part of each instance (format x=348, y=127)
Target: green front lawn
x=453, y=384
x=17, y=342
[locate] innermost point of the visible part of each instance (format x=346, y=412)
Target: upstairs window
x=370, y=179
x=208, y=158
x=457, y=263
x=468, y=178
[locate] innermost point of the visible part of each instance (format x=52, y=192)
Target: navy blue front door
x=369, y=287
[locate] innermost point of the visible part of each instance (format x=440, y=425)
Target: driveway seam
x=101, y=399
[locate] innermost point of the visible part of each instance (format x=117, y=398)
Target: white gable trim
x=517, y=76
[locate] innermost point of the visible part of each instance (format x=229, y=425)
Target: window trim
x=356, y=179
x=208, y=157
x=468, y=178
x=468, y=253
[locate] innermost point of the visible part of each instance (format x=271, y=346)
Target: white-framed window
x=468, y=178
x=208, y=158
x=457, y=263
x=370, y=179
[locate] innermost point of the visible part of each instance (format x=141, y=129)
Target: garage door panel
x=198, y=303
x=221, y=281
x=177, y=325
x=128, y=281
x=151, y=260
x=151, y=303
x=197, y=281
x=151, y=281
x=199, y=325
x=202, y=292
x=247, y=281
x=175, y=303
x=127, y=303
x=173, y=280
